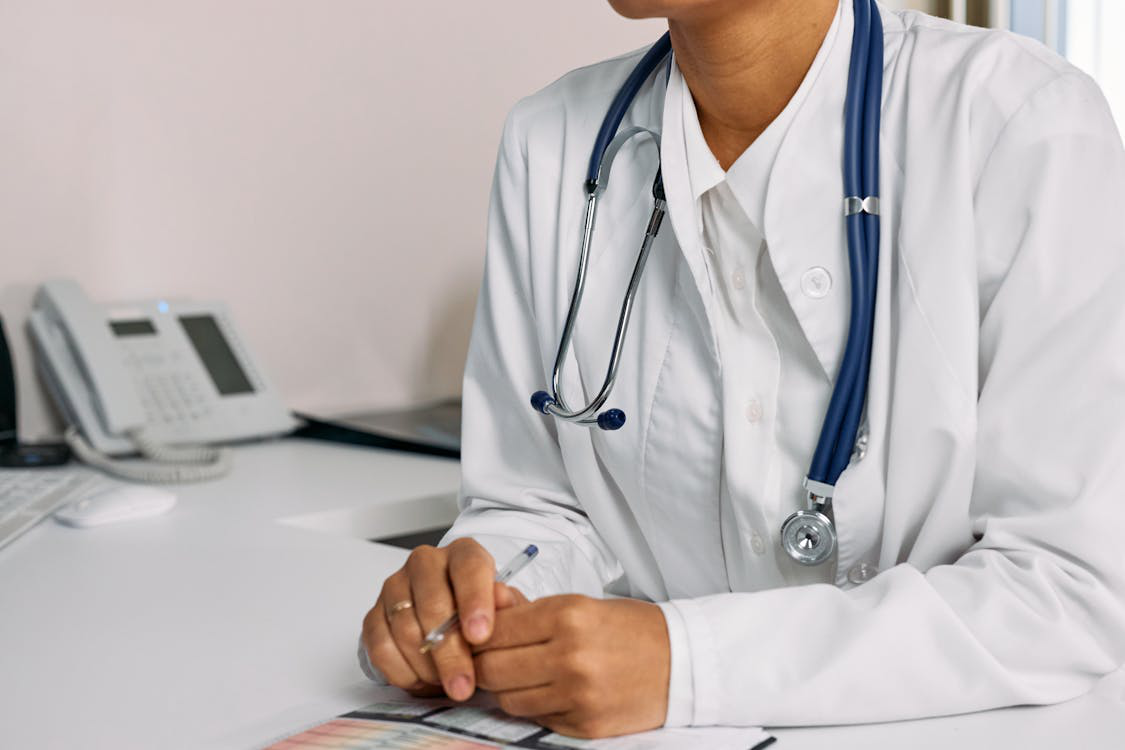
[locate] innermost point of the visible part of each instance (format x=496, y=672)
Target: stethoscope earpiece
x=540, y=400
x=610, y=419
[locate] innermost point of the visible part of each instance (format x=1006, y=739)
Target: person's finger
x=507, y=596
x=428, y=572
x=454, y=663
x=514, y=668
x=384, y=653
x=521, y=625
x=542, y=701
x=404, y=627
x=434, y=604
x=472, y=572
x=427, y=691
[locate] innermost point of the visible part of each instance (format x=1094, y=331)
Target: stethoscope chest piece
x=808, y=537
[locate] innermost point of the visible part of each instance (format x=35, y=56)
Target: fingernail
x=460, y=688
x=478, y=628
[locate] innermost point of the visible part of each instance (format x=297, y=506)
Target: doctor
x=977, y=560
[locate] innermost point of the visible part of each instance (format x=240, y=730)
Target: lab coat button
x=816, y=282
x=862, y=572
x=738, y=278
x=754, y=411
x=757, y=544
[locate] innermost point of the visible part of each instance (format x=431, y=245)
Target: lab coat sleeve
x=515, y=489
x=1034, y=611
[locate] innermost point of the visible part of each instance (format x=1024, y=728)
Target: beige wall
x=321, y=165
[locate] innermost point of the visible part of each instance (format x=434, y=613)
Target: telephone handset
x=161, y=379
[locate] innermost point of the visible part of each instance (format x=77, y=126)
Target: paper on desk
x=395, y=721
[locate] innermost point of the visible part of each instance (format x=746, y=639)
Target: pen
x=505, y=574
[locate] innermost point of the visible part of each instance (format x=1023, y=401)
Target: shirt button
x=816, y=282
x=862, y=573
x=754, y=411
x=738, y=278
x=757, y=544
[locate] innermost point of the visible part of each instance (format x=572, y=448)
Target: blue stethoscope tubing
x=861, y=178
x=809, y=535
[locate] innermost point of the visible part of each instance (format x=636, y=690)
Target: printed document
x=397, y=721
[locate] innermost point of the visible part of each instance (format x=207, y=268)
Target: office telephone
x=165, y=379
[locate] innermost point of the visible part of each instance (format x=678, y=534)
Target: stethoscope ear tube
x=606, y=145
x=620, y=105
x=552, y=403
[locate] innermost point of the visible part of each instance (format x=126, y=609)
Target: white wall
x=321, y=165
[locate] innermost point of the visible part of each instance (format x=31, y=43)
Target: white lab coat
x=989, y=499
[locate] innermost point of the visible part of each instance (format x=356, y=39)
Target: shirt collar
x=749, y=176
x=802, y=220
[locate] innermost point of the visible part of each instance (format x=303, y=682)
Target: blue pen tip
x=531, y=550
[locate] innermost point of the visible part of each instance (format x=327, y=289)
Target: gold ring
x=399, y=607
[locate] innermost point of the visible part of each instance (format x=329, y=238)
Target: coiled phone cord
x=164, y=464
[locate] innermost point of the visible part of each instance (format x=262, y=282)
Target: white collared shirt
x=774, y=390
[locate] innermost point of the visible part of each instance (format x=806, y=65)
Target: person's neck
x=744, y=64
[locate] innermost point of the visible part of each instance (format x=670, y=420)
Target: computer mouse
x=119, y=502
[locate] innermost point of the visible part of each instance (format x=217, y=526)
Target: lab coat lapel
x=681, y=204
x=685, y=428
x=803, y=223
x=668, y=388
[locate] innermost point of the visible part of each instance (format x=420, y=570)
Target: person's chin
x=658, y=8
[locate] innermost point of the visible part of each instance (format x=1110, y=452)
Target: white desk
x=219, y=626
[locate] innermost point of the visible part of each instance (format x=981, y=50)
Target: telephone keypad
x=171, y=398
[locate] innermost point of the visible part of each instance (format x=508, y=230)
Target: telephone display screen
x=139, y=327
x=216, y=354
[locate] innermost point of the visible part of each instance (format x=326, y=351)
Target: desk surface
x=232, y=619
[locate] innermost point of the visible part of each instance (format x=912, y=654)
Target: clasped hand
x=579, y=666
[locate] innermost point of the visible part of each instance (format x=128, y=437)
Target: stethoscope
x=808, y=535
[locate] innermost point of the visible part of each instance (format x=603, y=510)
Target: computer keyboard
x=27, y=496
